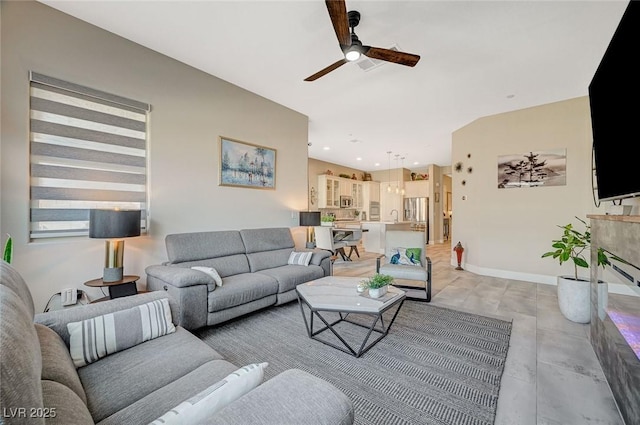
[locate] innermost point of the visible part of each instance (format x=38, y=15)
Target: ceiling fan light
x=352, y=55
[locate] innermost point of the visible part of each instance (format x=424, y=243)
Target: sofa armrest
x=180, y=277
x=318, y=256
x=291, y=398
x=58, y=320
x=188, y=287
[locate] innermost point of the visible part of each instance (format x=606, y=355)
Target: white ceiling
x=478, y=58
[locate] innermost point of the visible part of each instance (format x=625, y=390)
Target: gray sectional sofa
x=39, y=382
x=253, y=265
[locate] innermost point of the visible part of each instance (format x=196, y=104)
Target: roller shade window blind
x=88, y=149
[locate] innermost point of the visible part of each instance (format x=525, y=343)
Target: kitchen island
x=373, y=239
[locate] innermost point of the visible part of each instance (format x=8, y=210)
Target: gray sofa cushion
x=269, y=259
x=57, y=320
x=21, y=360
x=69, y=409
x=290, y=276
x=197, y=246
x=241, y=289
x=157, y=403
x=160, y=361
x=225, y=266
x=12, y=279
x=293, y=397
x=269, y=239
x=56, y=361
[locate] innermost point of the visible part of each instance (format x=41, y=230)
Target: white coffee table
x=338, y=294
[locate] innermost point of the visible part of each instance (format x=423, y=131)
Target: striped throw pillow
x=199, y=408
x=95, y=338
x=300, y=258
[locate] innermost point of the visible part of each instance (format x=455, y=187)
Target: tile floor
x=552, y=375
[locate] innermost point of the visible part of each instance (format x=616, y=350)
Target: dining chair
x=410, y=269
x=354, y=239
x=325, y=240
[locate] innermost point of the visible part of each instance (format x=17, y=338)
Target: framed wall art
x=244, y=164
x=533, y=169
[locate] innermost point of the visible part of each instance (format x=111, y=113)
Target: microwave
x=346, y=202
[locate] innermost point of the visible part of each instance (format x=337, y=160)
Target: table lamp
x=310, y=219
x=114, y=226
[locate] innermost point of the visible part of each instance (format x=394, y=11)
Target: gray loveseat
x=253, y=265
x=39, y=383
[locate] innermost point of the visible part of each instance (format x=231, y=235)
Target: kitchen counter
x=374, y=239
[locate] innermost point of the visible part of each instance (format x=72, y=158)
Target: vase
x=377, y=292
x=574, y=299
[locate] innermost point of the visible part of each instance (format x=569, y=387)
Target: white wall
x=505, y=231
x=190, y=109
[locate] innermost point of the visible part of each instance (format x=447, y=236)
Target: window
x=88, y=150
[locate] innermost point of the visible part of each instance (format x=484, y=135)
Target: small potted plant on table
x=378, y=284
x=327, y=220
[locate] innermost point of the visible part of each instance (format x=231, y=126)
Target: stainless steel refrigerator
x=416, y=211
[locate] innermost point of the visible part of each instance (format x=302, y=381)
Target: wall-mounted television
x=614, y=98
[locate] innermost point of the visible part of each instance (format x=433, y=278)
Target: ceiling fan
x=343, y=24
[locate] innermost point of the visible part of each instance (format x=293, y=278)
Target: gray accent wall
x=190, y=110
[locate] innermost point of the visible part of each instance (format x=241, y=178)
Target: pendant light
x=398, y=180
x=389, y=170
x=402, y=171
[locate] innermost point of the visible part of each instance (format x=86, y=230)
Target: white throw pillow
x=95, y=338
x=199, y=408
x=211, y=272
x=300, y=258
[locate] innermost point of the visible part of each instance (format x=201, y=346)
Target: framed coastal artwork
x=244, y=164
x=533, y=169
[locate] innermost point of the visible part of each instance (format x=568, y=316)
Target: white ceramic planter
x=377, y=292
x=574, y=299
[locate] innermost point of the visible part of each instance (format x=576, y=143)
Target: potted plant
x=574, y=291
x=327, y=220
x=377, y=284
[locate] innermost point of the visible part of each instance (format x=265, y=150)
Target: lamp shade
x=111, y=224
x=309, y=218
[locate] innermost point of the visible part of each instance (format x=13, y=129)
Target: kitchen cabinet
x=371, y=192
x=416, y=189
x=329, y=191
x=330, y=188
x=357, y=195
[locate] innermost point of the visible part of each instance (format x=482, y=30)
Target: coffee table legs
x=346, y=347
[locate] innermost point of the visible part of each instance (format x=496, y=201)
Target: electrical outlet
x=69, y=296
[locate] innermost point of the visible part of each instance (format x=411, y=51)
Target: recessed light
x=358, y=159
x=326, y=148
x=377, y=164
x=416, y=163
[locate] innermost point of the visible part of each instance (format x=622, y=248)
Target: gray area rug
x=436, y=365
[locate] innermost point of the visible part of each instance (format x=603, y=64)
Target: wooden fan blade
x=389, y=55
x=326, y=70
x=338, y=13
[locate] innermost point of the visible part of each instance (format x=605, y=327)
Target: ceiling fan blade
x=338, y=13
x=389, y=55
x=326, y=70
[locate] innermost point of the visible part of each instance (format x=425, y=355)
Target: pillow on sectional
x=300, y=258
x=203, y=405
x=211, y=272
x=93, y=339
x=406, y=256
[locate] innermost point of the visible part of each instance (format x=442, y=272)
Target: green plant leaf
x=8, y=249
x=580, y=262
